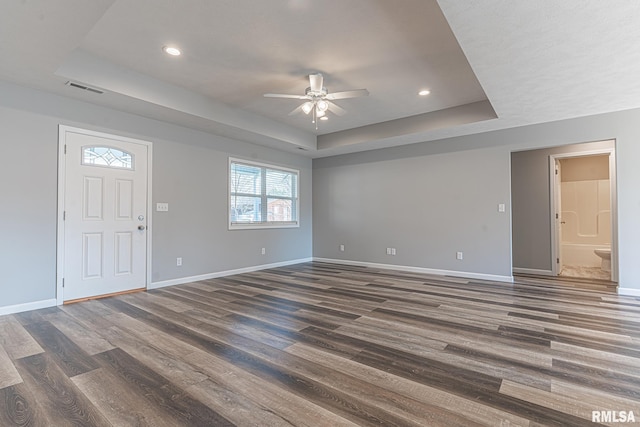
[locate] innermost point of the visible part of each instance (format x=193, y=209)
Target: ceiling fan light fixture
x=324, y=118
x=322, y=105
x=320, y=113
x=424, y=92
x=307, y=107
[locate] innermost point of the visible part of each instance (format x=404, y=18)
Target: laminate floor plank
x=234, y=406
x=155, y=358
x=199, y=299
x=62, y=403
x=191, y=301
x=8, y=373
x=261, y=331
x=445, y=401
x=596, y=398
x=146, y=334
x=121, y=404
x=287, y=405
x=298, y=319
x=18, y=407
x=321, y=344
x=160, y=298
x=15, y=340
x=159, y=391
x=562, y=403
x=86, y=338
x=35, y=316
x=67, y=355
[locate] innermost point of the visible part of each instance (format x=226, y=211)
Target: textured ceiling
x=489, y=64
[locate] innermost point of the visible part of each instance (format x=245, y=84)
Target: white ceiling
x=489, y=64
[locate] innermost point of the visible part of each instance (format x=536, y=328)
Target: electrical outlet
x=264, y=251
x=179, y=261
x=162, y=207
x=341, y=248
x=458, y=255
x=388, y=251
x=393, y=251
x=501, y=207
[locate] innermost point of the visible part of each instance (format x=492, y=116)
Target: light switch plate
x=162, y=207
x=501, y=207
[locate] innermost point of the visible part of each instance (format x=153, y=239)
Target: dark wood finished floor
x=326, y=345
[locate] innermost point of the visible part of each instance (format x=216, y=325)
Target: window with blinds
x=262, y=195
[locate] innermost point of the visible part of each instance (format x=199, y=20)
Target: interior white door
x=105, y=215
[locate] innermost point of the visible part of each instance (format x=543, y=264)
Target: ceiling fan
x=318, y=99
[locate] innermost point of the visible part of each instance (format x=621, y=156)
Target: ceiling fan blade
x=336, y=109
x=283, y=95
x=347, y=94
x=315, y=82
x=296, y=110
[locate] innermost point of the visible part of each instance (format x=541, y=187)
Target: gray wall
x=427, y=207
x=531, y=204
x=189, y=172
x=28, y=204
x=459, y=181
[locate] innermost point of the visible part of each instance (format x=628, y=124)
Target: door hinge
x=557, y=260
x=65, y=151
x=63, y=282
x=556, y=168
x=557, y=216
x=64, y=215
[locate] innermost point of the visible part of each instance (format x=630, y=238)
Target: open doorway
x=583, y=184
x=535, y=198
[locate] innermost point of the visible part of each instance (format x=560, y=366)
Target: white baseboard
x=183, y=280
x=19, y=308
x=533, y=271
x=632, y=292
x=423, y=270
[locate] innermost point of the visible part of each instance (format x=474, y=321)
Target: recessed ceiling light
x=424, y=92
x=173, y=51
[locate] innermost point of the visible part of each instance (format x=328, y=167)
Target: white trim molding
x=423, y=270
x=28, y=306
x=631, y=292
x=183, y=280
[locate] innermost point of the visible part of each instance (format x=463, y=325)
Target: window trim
x=265, y=224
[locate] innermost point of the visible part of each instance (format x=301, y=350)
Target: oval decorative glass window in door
x=107, y=157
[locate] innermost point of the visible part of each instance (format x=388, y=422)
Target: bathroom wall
x=585, y=209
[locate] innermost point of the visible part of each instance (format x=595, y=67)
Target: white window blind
x=262, y=195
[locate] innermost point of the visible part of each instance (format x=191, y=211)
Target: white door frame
x=62, y=133
x=555, y=229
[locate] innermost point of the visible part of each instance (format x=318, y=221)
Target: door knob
x=141, y=227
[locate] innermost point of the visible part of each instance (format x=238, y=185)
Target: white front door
x=105, y=214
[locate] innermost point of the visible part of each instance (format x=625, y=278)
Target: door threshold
x=130, y=291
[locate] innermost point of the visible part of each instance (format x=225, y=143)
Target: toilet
x=605, y=254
